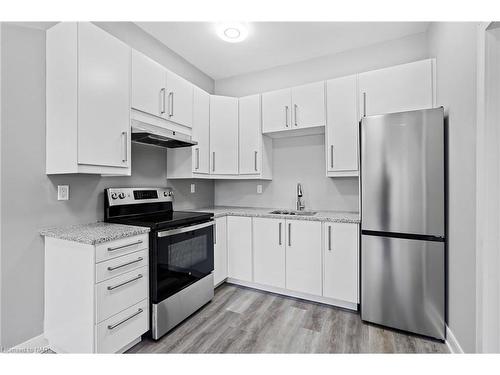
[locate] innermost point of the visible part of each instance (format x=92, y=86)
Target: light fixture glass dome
x=232, y=32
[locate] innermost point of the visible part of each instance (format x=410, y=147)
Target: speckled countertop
x=332, y=216
x=94, y=233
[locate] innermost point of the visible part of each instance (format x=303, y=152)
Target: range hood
x=158, y=136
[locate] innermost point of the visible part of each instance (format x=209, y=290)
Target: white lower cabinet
x=220, y=251
x=239, y=247
x=269, y=252
x=303, y=256
x=340, y=261
x=96, y=296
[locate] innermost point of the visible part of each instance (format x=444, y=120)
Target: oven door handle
x=172, y=232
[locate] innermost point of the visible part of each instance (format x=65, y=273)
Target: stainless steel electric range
x=181, y=255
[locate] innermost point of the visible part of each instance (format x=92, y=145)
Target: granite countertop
x=332, y=216
x=94, y=233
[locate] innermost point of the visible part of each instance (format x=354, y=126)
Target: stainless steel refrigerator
x=403, y=221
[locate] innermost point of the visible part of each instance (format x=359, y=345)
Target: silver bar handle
x=139, y=276
x=286, y=116
x=255, y=161
x=331, y=156
x=364, y=104
x=279, y=233
x=124, y=147
x=295, y=114
x=162, y=101
x=190, y=228
x=124, y=246
x=197, y=150
x=289, y=234
x=329, y=238
x=113, y=326
x=213, y=161
x=112, y=268
x=170, y=103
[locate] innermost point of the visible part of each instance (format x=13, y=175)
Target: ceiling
x=271, y=44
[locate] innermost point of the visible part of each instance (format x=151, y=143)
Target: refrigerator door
x=402, y=172
x=403, y=284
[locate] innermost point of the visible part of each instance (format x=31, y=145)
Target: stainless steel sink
x=296, y=213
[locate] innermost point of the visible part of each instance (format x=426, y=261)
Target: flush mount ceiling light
x=232, y=32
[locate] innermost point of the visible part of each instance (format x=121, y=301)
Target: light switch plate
x=193, y=188
x=62, y=192
x=259, y=189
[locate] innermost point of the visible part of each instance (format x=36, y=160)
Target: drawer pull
x=139, y=276
x=113, y=326
x=124, y=246
x=125, y=264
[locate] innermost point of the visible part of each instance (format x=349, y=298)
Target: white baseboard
x=37, y=344
x=452, y=342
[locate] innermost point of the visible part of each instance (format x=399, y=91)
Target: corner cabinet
x=88, y=101
x=223, y=135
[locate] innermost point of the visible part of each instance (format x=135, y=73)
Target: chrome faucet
x=300, y=203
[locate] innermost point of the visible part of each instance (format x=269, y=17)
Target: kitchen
x=219, y=208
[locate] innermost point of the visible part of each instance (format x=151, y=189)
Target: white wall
x=28, y=196
x=398, y=51
x=454, y=46
x=302, y=159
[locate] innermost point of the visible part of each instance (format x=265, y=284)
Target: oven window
x=180, y=260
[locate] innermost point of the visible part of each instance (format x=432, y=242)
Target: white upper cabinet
x=250, y=136
x=148, y=85
x=201, y=131
x=224, y=135
x=179, y=97
x=342, y=126
x=276, y=110
x=269, y=251
x=399, y=88
x=308, y=105
x=303, y=256
x=340, y=262
x=88, y=101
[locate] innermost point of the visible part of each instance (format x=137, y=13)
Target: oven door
x=181, y=257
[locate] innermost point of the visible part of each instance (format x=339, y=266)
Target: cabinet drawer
x=121, y=292
x=120, y=265
x=113, y=249
x=119, y=330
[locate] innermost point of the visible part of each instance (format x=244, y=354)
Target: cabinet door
x=269, y=252
x=276, y=110
x=148, y=85
x=308, y=105
x=103, y=98
x=340, y=261
x=250, y=137
x=201, y=131
x=303, y=256
x=342, y=124
x=239, y=247
x=179, y=100
x=220, y=251
x=399, y=88
x=224, y=134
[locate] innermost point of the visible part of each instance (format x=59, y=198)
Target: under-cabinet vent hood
x=158, y=136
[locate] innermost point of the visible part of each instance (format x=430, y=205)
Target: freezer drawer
x=403, y=284
x=402, y=172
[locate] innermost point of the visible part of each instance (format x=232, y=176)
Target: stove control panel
x=123, y=196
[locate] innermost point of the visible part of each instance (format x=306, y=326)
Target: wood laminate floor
x=243, y=320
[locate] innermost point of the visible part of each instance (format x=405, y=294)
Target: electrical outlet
x=62, y=192
x=193, y=188
x=259, y=189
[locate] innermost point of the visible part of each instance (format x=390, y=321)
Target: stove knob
x=165, y=194
x=121, y=195
x=114, y=196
